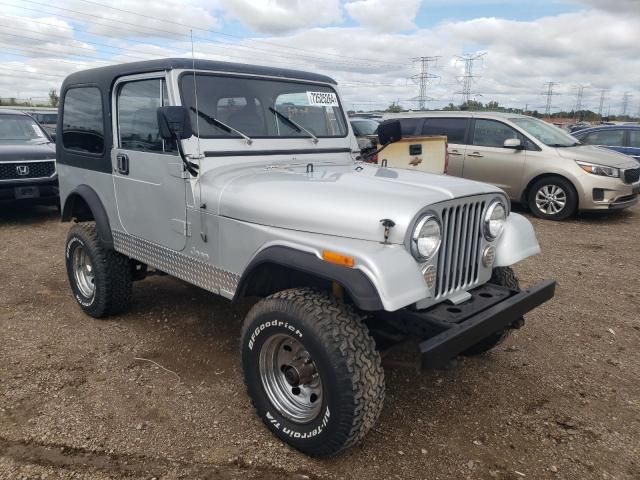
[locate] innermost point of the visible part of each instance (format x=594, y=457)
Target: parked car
x=535, y=163
x=252, y=190
x=27, y=160
x=366, y=132
x=620, y=138
x=47, y=119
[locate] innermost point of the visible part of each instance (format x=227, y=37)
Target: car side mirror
x=174, y=123
x=389, y=131
x=514, y=143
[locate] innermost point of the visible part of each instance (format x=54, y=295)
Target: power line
x=468, y=77
x=547, y=108
x=423, y=78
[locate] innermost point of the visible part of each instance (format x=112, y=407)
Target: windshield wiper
x=223, y=126
x=296, y=126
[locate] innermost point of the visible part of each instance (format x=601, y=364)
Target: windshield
x=547, y=134
x=20, y=129
x=247, y=104
x=366, y=126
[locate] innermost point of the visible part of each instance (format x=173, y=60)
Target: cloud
x=282, y=16
x=384, y=15
x=614, y=6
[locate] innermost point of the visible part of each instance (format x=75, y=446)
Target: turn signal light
x=337, y=258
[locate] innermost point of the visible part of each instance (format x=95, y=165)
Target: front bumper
x=454, y=328
x=36, y=189
x=600, y=193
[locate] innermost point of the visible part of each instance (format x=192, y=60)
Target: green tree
x=394, y=108
x=53, y=97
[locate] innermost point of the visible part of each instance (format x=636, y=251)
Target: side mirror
x=174, y=123
x=514, y=143
x=389, y=131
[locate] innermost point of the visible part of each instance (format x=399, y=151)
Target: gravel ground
x=82, y=398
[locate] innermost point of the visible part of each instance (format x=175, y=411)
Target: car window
x=453, y=128
x=82, y=120
x=20, y=129
x=634, y=138
x=365, y=127
x=137, y=104
x=611, y=137
x=410, y=126
x=491, y=133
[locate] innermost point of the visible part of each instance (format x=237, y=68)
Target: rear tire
x=100, y=278
x=505, y=277
x=312, y=370
x=553, y=198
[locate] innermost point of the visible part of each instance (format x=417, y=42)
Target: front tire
x=553, y=198
x=100, y=278
x=312, y=370
x=505, y=277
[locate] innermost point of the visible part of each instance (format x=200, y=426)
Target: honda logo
x=22, y=170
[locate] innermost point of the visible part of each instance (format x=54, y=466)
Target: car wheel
x=100, y=278
x=312, y=370
x=553, y=198
x=505, y=277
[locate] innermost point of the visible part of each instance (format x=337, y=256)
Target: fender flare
x=355, y=282
x=91, y=198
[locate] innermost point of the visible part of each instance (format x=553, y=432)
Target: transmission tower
x=467, y=78
x=603, y=94
x=547, y=108
x=423, y=78
x=579, y=97
x=625, y=102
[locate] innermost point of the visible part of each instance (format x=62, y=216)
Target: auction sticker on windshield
x=322, y=99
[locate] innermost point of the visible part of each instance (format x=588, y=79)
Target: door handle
x=454, y=152
x=122, y=163
x=475, y=154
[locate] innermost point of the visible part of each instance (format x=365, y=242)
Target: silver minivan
x=534, y=162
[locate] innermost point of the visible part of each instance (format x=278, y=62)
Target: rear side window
x=410, y=126
x=634, y=138
x=491, y=133
x=605, y=137
x=453, y=128
x=138, y=103
x=82, y=120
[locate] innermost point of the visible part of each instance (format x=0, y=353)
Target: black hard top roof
x=106, y=75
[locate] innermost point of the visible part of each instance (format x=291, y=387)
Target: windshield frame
x=516, y=121
x=345, y=120
x=45, y=138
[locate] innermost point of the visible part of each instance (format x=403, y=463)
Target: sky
x=366, y=45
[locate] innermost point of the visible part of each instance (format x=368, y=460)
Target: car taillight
x=446, y=157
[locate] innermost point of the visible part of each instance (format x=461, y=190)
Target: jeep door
x=487, y=160
x=150, y=190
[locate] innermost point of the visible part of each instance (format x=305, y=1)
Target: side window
x=491, y=133
x=453, y=128
x=605, y=137
x=634, y=138
x=409, y=126
x=138, y=102
x=82, y=120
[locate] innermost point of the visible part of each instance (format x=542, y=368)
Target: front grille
x=16, y=170
x=460, y=251
x=632, y=175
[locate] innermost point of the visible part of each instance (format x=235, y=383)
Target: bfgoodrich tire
x=505, y=277
x=312, y=370
x=100, y=278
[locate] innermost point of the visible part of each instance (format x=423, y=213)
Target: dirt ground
x=80, y=398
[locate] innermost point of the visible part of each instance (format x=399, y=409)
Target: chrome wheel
x=83, y=272
x=551, y=199
x=290, y=378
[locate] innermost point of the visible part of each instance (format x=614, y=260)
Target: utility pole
x=547, y=108
x=423, y=78
x=579, y=96
x=603, y=93
x=625, y=102
x=467, y=78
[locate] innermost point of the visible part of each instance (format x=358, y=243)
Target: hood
x=601, y=156
x=347, y=201
x=17, y=153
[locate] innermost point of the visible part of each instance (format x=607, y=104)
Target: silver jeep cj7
x=243, y=180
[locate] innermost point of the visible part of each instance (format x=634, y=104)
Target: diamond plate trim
x=184, y=267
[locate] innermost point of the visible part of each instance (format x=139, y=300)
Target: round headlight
x=426, y=238
x=494, y=220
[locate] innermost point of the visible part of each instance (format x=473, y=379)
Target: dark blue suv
x=621, y=138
